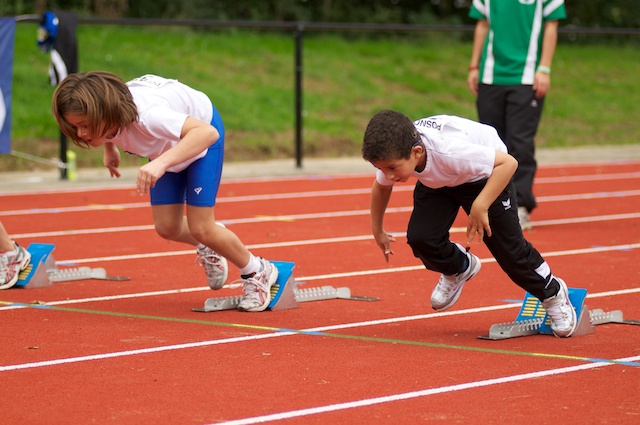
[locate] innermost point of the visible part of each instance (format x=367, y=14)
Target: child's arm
x=503, y=168
x=380, y=196
x=196, y=137
x=111, y=158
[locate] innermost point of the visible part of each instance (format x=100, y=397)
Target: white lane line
x=284, y=244
x=417, y=394
x=346, y=275
x=279, y=333
x=296, y=195
x=309, y=216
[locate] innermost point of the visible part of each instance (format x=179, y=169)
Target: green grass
x=594, y=99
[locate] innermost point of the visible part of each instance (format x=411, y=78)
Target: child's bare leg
x=259, y=275
x=203, y=228
x=171, y=224
x=6, y=244
x=199, y=226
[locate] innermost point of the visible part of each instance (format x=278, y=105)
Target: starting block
x=35, y=275
x=533, y=319
x=284, y=294
x=42, y=270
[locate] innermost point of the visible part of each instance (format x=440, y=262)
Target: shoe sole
x=23, y=265
x=476, y=270
x=273, y=277
x=565, y=288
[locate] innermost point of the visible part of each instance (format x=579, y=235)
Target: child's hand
x=384, y=242
x=478, y=224
x=148, y=175
x=113, y=170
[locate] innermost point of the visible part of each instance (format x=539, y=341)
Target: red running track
x=134, y=352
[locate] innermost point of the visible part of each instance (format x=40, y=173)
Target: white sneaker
x=449, y=288
x=562, y=314
x=215, y=266
x=257, y=287
x=12, y=265
x=525, y=219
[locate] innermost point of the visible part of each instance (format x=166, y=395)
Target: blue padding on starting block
x=532, y=308
x=40, y=253
x=285, y=270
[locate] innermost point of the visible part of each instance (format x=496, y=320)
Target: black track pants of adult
x=515, y=113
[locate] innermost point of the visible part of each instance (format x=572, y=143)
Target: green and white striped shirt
x=512, y=49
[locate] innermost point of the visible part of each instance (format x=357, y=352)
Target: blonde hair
x=101, y=96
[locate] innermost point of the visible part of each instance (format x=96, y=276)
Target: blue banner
x=7, y=39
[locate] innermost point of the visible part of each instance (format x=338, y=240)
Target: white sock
x=201, y=246
x=253, y=266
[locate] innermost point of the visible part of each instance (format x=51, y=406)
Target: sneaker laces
x=5, y=270
x=446, y=283
x=4, y=263
x=558, y=311
x=253, y=286
x=210, y=260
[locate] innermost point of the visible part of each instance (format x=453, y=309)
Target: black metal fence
x=298, y=30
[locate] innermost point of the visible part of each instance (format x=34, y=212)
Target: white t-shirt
x=458, y=151
x=163, y=107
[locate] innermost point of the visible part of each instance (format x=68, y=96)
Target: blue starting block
x=532, y=309
x=42, y=270
x=284, y=293
x=533, y=319
x=35, y=275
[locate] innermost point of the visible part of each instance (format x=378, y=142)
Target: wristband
x=473, y=67
x=544, y=69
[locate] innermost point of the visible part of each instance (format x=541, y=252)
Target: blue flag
x=7, y=38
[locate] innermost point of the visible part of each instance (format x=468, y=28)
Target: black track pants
x=515, y=113
x=433, y=215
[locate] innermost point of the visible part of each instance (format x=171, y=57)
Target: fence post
x=298, y=34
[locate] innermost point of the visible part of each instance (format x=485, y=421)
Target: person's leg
x=428, y=231
x=13, y=259
x=220, y=243
x=428, y=235
x=525, y=266
x=203, y=229
x=523, y=113
x=171, y=224
x=515, y=255
x=491, y=107
x=6, y=244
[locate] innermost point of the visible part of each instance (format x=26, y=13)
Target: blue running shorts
x=197, y=184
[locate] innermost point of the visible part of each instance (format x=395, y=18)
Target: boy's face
x=400, y=169
x=81, y=124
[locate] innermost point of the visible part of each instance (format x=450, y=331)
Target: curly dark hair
x=389, y=135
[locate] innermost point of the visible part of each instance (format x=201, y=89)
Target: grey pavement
x=43, y=180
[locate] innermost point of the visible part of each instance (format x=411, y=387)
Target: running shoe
x=257, y=287
x=449, y=288
x=562, y=314
x=12, y=265
x=215, y=266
